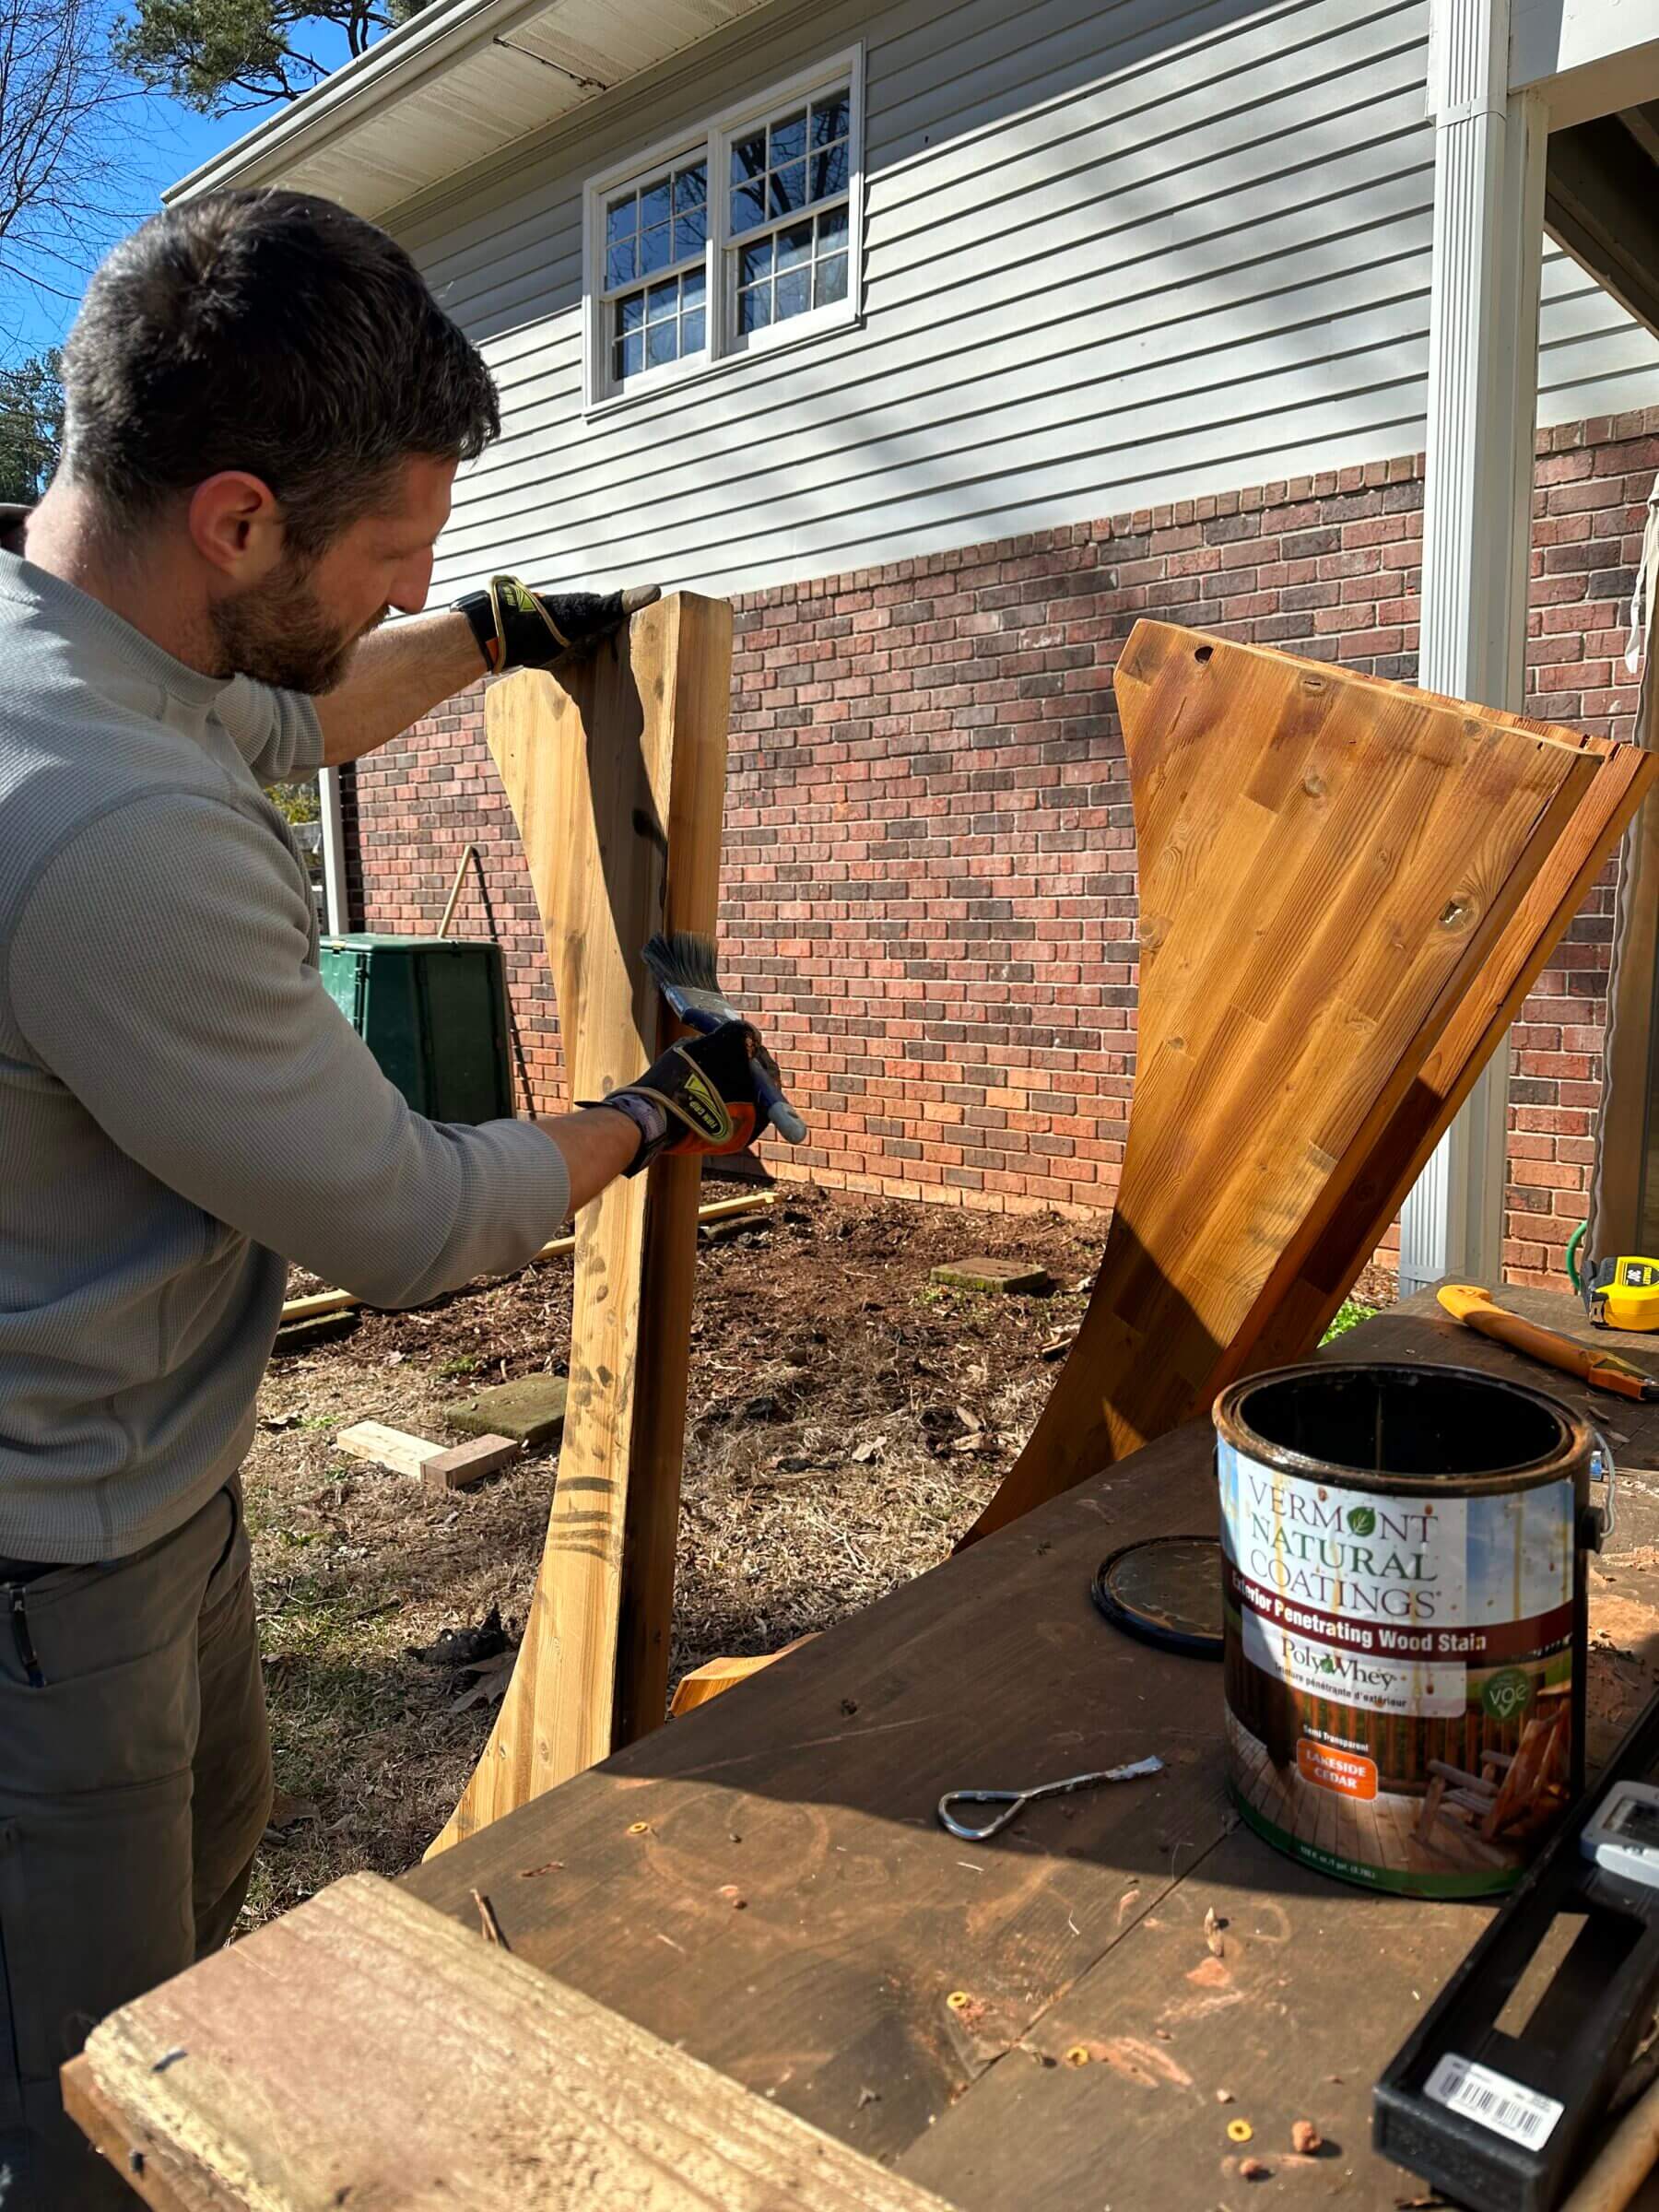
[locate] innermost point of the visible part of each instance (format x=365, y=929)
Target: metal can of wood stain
x=1405, y=1561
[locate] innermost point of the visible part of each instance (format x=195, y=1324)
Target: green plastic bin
x=434, y=1012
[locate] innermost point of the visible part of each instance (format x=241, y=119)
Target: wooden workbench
x=765, y=1883
x=812, y=1787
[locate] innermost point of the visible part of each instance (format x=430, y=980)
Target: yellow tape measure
x=1624, y=1294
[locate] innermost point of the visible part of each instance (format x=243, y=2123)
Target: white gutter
x=395, y=62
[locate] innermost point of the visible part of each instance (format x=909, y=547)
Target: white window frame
x=725, y=346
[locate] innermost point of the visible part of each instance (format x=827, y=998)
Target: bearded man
x=265, y=414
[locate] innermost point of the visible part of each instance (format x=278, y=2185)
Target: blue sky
x=162, y=140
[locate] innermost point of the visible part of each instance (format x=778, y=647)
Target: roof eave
x=395, y=62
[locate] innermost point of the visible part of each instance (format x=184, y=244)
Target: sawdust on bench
x=848, y=1419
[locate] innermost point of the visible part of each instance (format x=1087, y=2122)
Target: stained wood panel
x=364, y=2049
x=1296, y=1312
x=1346, y=887
x=617, y=779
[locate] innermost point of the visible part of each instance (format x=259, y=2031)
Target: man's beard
x=279, y=633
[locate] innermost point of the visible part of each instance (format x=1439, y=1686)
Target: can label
x=1399, y=1673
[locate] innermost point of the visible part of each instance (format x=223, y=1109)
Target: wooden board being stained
x=1346, y=888
x=618, y=783
x=365, y=2050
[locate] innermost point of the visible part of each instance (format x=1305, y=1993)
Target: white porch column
x=1483, y=348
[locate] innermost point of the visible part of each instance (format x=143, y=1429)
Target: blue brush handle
x=779, y=1112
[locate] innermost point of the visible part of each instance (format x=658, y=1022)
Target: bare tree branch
x=62, y=117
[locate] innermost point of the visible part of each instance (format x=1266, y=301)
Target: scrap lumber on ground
x=439, y=1466
x=456, y=2077
x=459, y=1466
x=314, y=1304
x=715, y=1677
x=1347, y=889
x=617, y=779
x=393, y=1449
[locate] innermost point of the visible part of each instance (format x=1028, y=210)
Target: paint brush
x=682, y=966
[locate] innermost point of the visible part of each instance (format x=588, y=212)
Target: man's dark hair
x=270, y=332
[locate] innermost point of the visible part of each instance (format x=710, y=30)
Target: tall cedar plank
x=1328, y=864
x=364, y=2049
x=811, y=1789
x=617, y=782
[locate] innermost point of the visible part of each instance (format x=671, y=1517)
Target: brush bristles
x=684, y=959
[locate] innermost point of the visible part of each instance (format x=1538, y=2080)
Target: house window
x=656, y=238
x=743, y=235
x=788, y=212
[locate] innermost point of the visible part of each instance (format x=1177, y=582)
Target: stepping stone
x=530, y=1411
x=1011, y=1278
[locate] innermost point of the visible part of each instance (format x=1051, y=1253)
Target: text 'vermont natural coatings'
x=1405, y=1638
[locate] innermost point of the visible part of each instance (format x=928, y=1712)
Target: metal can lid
x=1166, y=1590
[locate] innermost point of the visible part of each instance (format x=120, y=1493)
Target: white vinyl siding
x=1113, y=256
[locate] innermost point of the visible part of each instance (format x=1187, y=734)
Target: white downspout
x=337, y=904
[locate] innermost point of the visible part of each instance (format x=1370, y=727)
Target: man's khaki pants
x=135, y=1784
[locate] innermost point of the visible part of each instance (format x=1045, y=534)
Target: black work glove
x=699, y=1097
x=517, y=628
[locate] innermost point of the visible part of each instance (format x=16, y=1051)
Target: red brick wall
x=929, y=886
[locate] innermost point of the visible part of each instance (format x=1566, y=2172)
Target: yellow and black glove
x=699, y=1097
x=517, y=628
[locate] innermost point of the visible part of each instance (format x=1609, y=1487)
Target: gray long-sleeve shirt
x=182, y=1108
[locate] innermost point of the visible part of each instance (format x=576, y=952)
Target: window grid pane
x=659, y=323
x=793, y=270
x=794, y=161
x=653, y=227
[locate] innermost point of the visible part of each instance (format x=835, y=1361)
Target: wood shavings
x=492, y=1926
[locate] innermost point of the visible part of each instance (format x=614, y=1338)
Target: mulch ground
x=847, y=1420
